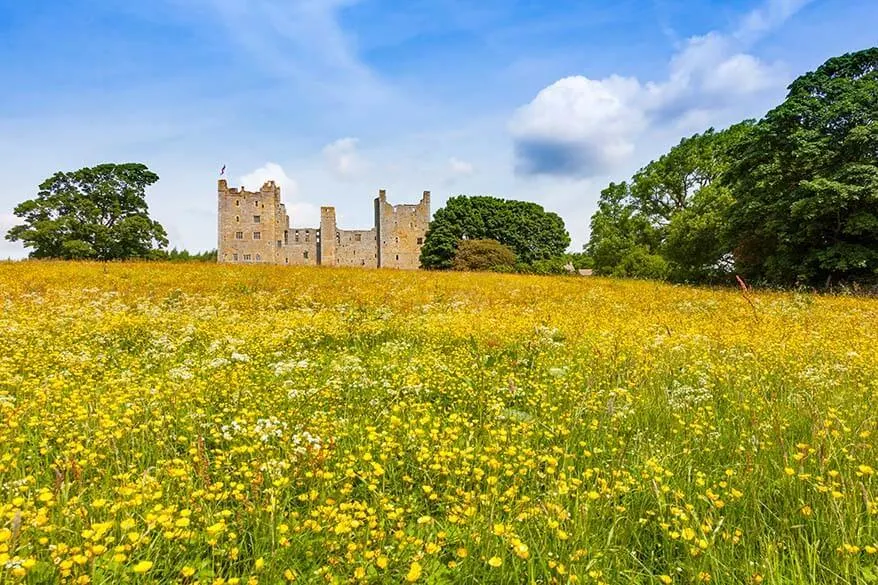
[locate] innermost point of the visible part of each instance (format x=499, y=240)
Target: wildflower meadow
x=219, y=424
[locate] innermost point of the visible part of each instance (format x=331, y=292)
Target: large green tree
x=806, y=182
x=532, y=232
x=623, y=240
x=94, y=213
x=669, y=220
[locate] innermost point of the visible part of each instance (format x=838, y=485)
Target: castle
x=254, y=228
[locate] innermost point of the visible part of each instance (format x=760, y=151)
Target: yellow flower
x=381, y=562
x=414, y=572
x=142, y=567
x=495, y=561
x=666, y=579
x=187, y=571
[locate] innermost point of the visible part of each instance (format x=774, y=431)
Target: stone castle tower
x=254, y=228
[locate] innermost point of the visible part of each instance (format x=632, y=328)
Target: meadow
x=214, y=424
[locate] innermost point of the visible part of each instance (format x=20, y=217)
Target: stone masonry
x=254, y=228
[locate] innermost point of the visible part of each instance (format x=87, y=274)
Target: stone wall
x=401, y=231
x=356, y=248
x=253, y=227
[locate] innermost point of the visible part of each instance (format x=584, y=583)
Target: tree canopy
x=806, y=183
x=530, y=231
x=94, y=213
x=668, y=221
x=789, y=199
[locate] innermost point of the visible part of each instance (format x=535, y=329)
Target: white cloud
x=579, y=122
x=586, y=127
x=9, y=249
x=460, y=167
x=342, y=158
x=742, y=74
x=302, y=213
x=270, y=171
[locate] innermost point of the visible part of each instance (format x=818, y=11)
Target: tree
x=531, y=232
x=618, y=230
x=670, y=219
x=483, y=255
x=696, y=243
x=806, y=181
x=175, y=255
x=94, y=213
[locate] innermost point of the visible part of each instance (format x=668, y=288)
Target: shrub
x=482, y=255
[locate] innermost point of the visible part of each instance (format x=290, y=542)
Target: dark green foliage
x=532, y=233
x=806, y=183
x=618, y=229
x=483, y=255
x=95, y=213
x=669, y=222
x=791, y=199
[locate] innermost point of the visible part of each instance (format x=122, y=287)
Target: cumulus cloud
x=270, y=171
x=342, y=158
x=302, y=213
x=582, y=127
x=579, y=124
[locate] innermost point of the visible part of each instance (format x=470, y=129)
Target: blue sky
x=335, y=99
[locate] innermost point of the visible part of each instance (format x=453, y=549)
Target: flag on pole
x=223, y=171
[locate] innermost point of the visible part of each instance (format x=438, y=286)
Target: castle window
x=237, y=219
x=239, y=235
x=397, y=239
x=420, y=241
x=258, y=257
x=257, y=218
x=362, y=262
x=256, y=203
x=397, y=256
x=278, y=243
x=257, y=235
x=246, y=257
x=305, y=254
x=286, y=260
x=235, y=257
x=297, y=237
x=286, y=237
x=358, y=237
x=307, y=237
x=237, y=202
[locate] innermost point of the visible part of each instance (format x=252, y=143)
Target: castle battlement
x=253, y=227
